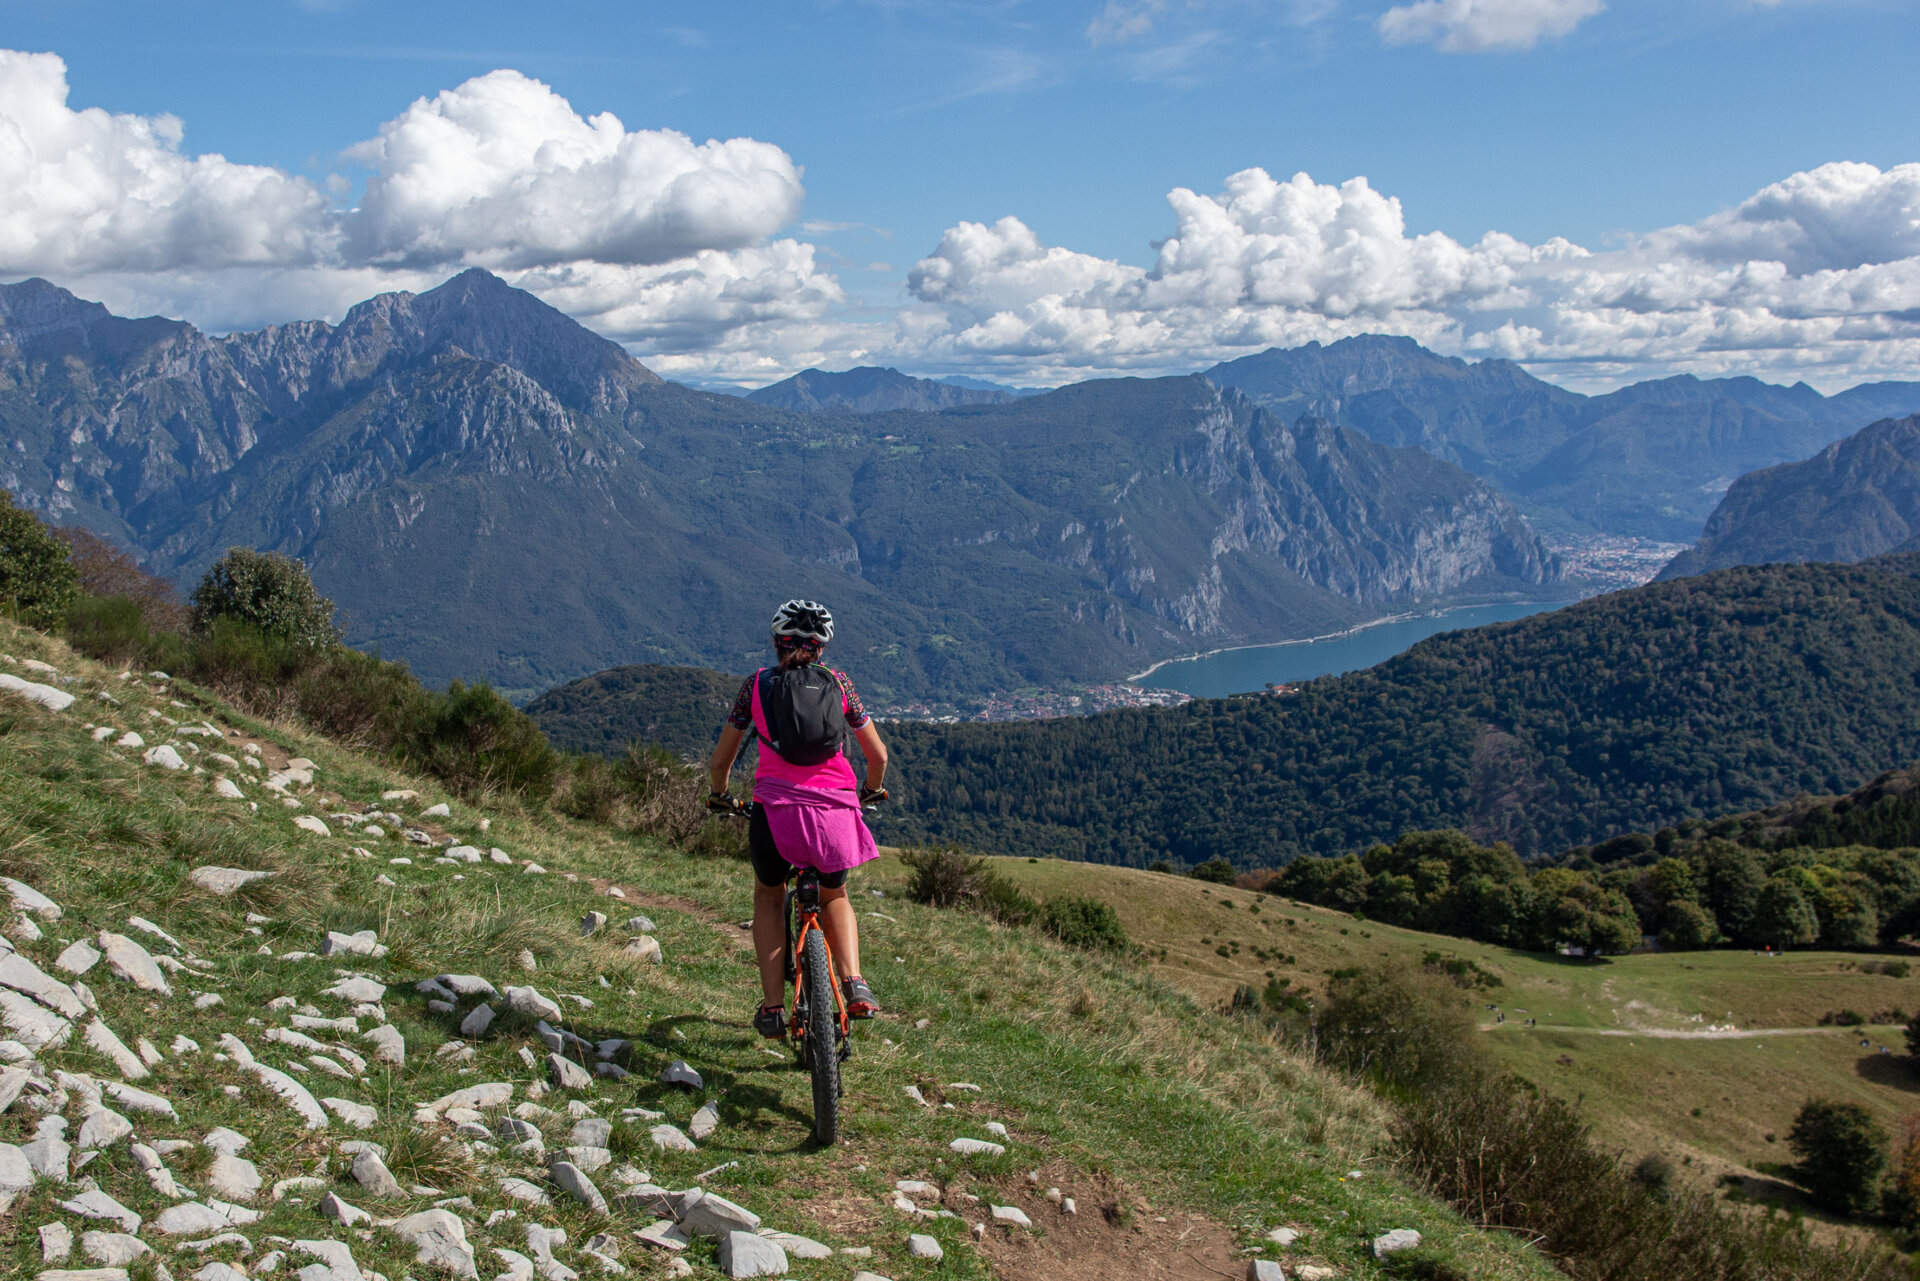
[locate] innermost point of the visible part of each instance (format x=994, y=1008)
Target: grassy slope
x=1114, y=1085
x=1640, y=1090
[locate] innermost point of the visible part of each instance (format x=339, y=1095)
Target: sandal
x=770, y=1021
x=860, y=1002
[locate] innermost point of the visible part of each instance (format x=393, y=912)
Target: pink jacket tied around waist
x=813, y=811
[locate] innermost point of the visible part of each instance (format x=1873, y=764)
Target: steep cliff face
x=1854, y=499
x=490, y=490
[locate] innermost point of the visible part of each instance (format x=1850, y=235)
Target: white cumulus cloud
x=1817, y=276
x=1474, y=26
x=662, y=237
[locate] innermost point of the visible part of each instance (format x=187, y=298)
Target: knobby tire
x=823, y=1057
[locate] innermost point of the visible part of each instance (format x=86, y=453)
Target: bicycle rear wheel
x=823, y=1058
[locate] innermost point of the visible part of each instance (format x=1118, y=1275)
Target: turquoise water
x=1240, y=671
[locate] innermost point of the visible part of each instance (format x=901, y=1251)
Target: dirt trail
x=1675, y=1034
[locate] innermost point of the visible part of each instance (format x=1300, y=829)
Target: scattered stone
x=30, y=901
x=163, y=757
x=94, y=1204
x=362, y=943
x=922, y=1246
x=645, y=949
x=997, y=1130
x=477, y=1022
x=79, y=957
x=130, y=739
x=1398, y=1239
x=226, y=789
x=388, y=1045
x=1068, y=1207
x=463, y=854
x=308, y=823
x=707, y=1215
x=976, y=1147
x=678, y=1073
x=442, y=810
x=574, y=1181
x=115, y=1249
x=102, y=1128
x=193, y=1218
x=521, y=1190
x=492, y=1094
x=400, y=794
x=704, y=1123
x=359, y=990
x=54, y=700
x=1283, y=1237
x=567, y=1074
x=1264, y=1270
x=1012, y=1215
x=357, y=1115
x=133, y=963
x=225, y=880
x=669, y=1138
x=218, y=1271
x=371, y=1173
x=49, y=1152
x=439, y=1239
x=56, y=1242
x=742, y=1254
x=100, y=1038
x=347, y=1216
x=591, y=922
x=529, y=1003
x=32, y=1025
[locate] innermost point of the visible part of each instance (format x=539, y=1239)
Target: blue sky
x=1603, y=125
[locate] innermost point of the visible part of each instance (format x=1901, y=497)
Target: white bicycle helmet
x=804, y=619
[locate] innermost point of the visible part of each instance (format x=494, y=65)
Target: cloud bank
x=657, y=235
x=677, y=249
x=1477, y=26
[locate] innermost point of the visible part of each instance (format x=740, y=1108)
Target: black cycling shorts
x=768, y=867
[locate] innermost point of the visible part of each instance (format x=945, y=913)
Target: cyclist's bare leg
x=842, y=930
x=770, y=941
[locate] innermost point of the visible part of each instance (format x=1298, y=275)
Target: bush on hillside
x=1084, y=922
x=1689, y=927
x=1403, y=1029
x=477, y=742
x=108, y=628
x=1902, y=1203
x=1843, y=1152
x=953, y=878
x=271, y=592
x=37, y=580
x=1216, y=870
x=105, y=571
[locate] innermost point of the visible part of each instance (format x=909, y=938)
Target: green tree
x=1573, y=910
x=1216, y=870
x=37, y=578
x=1843, y=1152
x=1688, y=927
x=1781, y=917
x=269, y=591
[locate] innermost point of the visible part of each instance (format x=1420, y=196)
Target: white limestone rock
x=357, y=1115
x=359, y=990
x=163, y=757
x=308, y=823
x=101, y=1039
x=388, y=1045
x=94, y=1204
x=439, y=1240
x=742, y=1254
x=132, y=963
x=572, y=1180
x=22, y=975
x=225, y=880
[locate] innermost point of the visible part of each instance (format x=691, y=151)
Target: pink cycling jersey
x=813, y=811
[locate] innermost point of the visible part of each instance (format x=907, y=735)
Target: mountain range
x=1854, y=499
x=870, y=390
x=1650, y=460
x=491, y=491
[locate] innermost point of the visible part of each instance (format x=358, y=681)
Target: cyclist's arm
x=720, y=766
x=868, y=736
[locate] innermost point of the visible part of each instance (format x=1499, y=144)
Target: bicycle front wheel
x=823, y=1057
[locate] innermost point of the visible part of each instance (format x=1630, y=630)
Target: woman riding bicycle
x=807, y=811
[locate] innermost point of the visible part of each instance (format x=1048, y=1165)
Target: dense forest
x=1684, y=699
x=678, y=708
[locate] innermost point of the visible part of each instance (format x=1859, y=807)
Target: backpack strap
x=760, y=712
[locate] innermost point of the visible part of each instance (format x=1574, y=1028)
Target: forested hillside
x=1684, y=699
x=676, y=708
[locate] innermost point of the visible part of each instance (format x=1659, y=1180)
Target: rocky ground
x=272, y=1010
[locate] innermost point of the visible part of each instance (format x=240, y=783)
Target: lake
x=1241, y=671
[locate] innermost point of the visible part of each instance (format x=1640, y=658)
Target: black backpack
x=805, y=711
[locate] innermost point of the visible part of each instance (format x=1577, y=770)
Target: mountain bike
x=817, y=1024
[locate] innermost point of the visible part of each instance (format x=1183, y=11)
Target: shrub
x=269, y=591
x=1084, y=922
x=1654, y=1172
x=104, y=570
x=246, y=665
x=1842, y=1151
x=1400, y=1028
x=1216, y=870
x=476, y=741
x=37, y=580
x=952, y=878
x=360, y=699
x=110, y=629
x=1163, y=867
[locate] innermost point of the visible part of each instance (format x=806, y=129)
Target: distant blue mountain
x=872, y=390
x=981, y=384
x=1651, y=459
